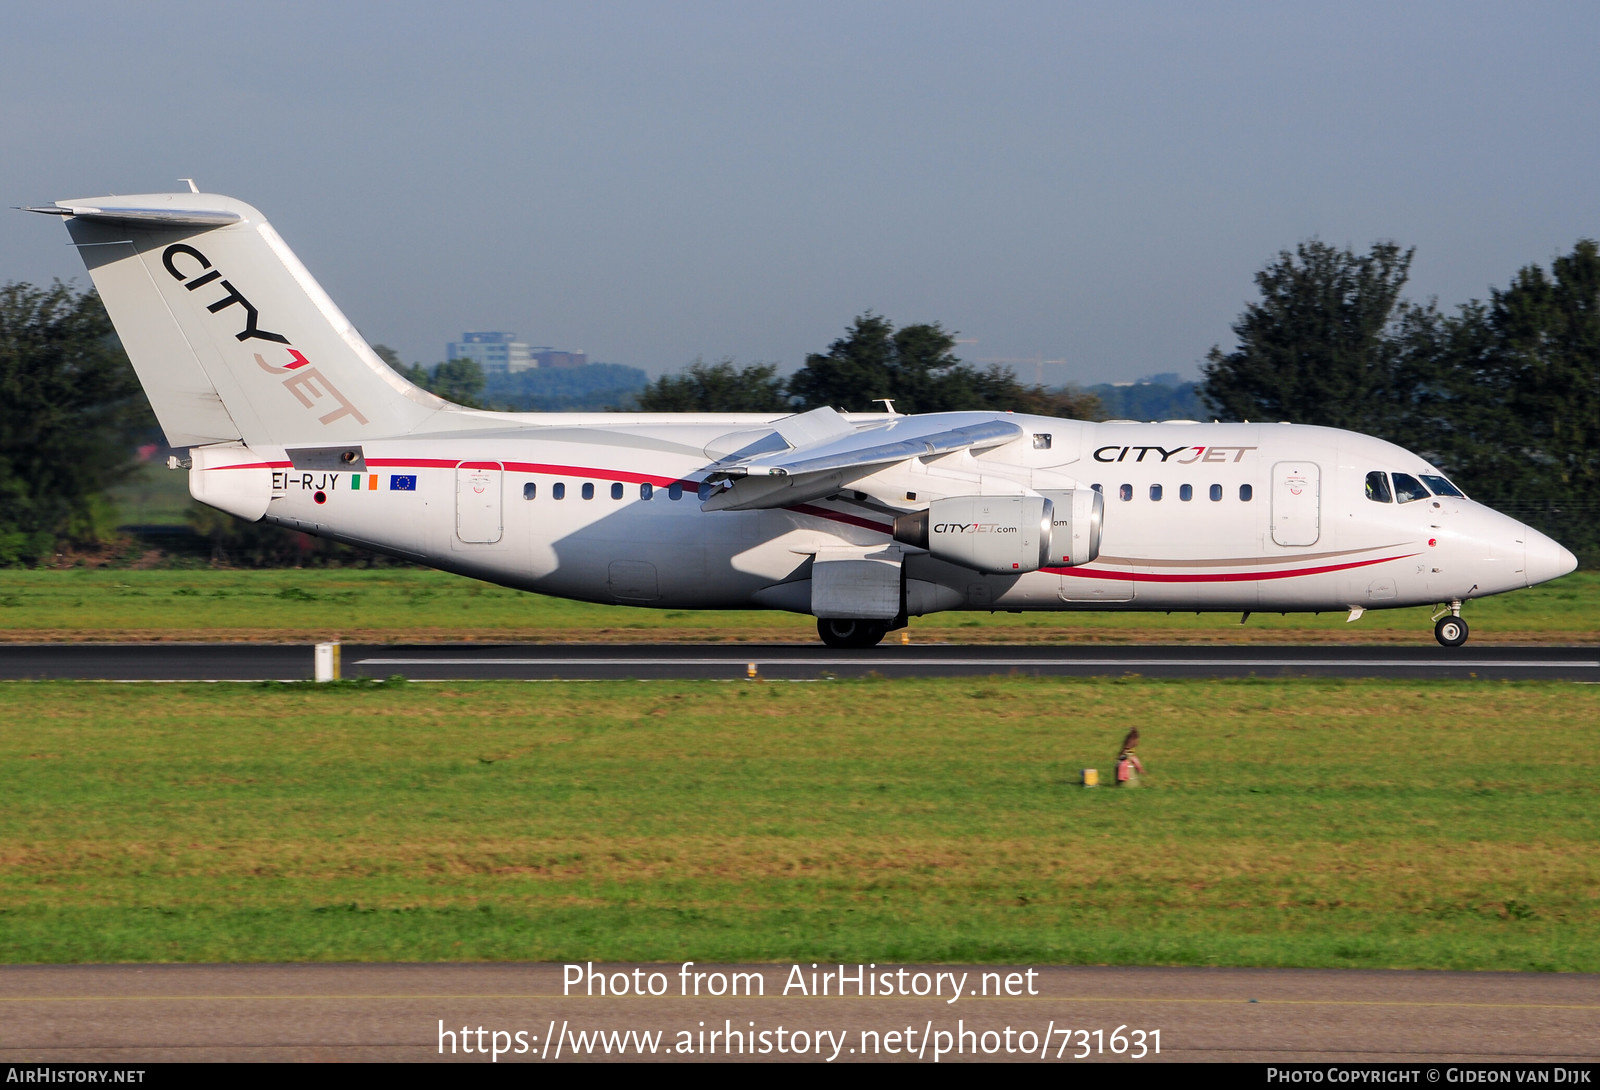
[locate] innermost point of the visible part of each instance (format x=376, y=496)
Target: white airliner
x=860, y=519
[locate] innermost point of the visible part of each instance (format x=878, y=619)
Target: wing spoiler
x=809, y=473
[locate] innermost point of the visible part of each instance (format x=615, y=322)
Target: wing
x=822, y=467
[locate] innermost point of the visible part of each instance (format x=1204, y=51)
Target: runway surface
x=128, y=1014
x=439, y=662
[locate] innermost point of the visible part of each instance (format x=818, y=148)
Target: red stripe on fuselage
x=622, y=475
x=593, y=472
x=838, y=516
x=628, y=477
x=1218, y=577
x=514, y=467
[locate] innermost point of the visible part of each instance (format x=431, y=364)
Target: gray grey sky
x=650, y=182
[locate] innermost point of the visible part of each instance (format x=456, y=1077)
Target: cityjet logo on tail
x=1116, y=453
x=306, y=383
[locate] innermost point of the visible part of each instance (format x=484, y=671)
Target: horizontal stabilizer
x=151, y=217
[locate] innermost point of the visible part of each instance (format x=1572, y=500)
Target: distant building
x=556, y=357
x=500, y=353
x=497, y=353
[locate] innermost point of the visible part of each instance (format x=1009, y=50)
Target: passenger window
x=1041, y=441
x=588, y=490
x=1126, y=492
x=1378, y=488
x=1155, y=492
x=1096, y=488
x=1216, y=493
x=1408, y=488
x=675, y=492
x=1186, y=492
x=1442, y=487
x=646, y=490
x=530, y=490
x=558, y=491
x=1245, y=492
x=616, y=491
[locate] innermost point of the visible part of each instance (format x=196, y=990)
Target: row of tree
x=593, y=387
x=71, y=414
x=461, y=381
x=1503, y=394
x=914, y=367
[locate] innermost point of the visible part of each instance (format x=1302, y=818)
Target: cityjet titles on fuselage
x=1116, y=453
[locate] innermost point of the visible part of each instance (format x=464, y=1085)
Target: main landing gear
x=1448, y=628
x=843, y=632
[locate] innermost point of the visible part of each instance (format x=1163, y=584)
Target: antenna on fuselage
x=192, y=187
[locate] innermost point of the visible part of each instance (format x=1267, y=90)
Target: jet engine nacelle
x=1008, y=534
x=999, y=534
x=1079, y=514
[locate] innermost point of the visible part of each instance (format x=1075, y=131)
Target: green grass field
x=406, y=605
x=1309, y=823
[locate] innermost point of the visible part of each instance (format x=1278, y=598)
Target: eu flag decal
x=403, y=482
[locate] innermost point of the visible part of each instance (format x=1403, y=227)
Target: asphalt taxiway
x=465, y=662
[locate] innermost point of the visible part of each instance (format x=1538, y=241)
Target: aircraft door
x=1296, y=503
x=478, y=518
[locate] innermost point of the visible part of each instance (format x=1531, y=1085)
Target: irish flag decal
x=369, y=481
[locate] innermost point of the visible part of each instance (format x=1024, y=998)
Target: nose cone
x=1544, y=559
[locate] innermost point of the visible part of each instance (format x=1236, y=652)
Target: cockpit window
x=1378, y=488
x=1408, y=488
x=1442, y=487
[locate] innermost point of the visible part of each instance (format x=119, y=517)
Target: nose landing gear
x=1448, y=628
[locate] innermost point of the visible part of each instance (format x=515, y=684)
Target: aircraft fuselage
x=1205, y=517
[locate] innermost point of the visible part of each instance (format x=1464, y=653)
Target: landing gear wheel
x=1450, y=631
x=843, y=632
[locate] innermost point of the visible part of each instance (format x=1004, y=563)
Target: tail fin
x=230, y=336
